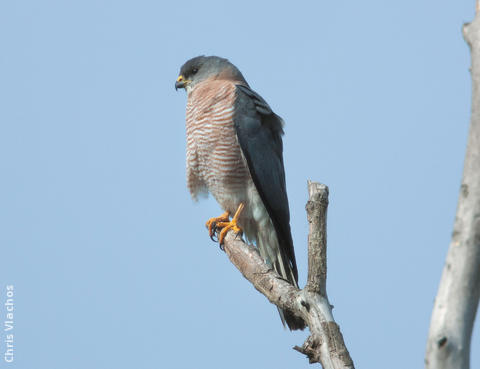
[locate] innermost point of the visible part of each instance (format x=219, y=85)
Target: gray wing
x=259, y=131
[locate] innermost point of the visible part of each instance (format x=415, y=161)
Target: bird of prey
x=235, y=152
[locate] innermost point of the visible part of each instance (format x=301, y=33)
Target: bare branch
x=249, y=262
x=317, y=238
x=325, y=344
x=456, y=303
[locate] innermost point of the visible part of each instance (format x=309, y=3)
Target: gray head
x=202, y=67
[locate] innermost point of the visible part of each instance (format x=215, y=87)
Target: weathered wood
x=325, y=344
x=448, y=345
x=317, y=238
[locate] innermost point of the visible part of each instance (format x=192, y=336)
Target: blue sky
x=109, y=257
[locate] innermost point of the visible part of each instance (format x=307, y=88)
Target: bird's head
x=202, y=68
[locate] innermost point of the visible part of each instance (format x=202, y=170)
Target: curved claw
x=223, y=225
x=226, y=227
x=213, y=232
x=232, y=225
x=212, y=223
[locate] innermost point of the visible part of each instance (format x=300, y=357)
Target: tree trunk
x=448, y=345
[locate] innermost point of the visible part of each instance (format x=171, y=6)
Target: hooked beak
x=180, y=83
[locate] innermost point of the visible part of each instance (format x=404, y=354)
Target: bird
x=234, y=151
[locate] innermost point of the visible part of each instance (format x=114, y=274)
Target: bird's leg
x=226, y=226
x=212, y=223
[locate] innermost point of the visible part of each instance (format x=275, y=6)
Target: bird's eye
x=194, y=70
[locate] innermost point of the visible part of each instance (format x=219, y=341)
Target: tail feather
x=275, y=258
x=285, y=270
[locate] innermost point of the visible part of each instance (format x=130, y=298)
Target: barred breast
x=215, y=164
x=214, y=159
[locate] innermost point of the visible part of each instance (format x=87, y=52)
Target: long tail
x=271, y=250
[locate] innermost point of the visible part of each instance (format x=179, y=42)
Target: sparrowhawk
x=235, y=152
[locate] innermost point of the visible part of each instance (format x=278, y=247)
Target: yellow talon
x=232, y=225
x=212, y=223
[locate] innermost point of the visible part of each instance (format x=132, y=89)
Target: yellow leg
x=213, y=222
x=226, y=226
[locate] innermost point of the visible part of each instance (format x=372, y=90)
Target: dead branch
x=325, y=344
x=456, y=303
